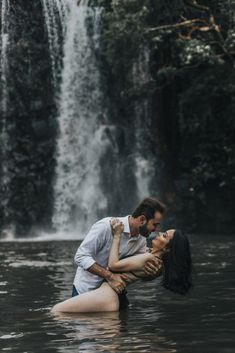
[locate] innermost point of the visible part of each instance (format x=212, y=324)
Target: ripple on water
x=36, y=263
x=156, y=321
x=11, y=335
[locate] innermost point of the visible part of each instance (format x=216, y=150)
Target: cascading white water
x=85, y=137
x=145, y=168
x=4, y=47
x=145, y=164
x=55, y=13
x=82, y=138
x=5, y=177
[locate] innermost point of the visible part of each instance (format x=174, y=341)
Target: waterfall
x=144, y=162
x=5, y=174
x=4, y=47
x=98, y=163
x=82, y=133
x=55, y=12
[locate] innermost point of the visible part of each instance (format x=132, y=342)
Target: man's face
x=151, y=226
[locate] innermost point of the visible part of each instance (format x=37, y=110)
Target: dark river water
x=35, y=275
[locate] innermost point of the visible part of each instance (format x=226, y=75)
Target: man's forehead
x=157, y=217
x=156, y=222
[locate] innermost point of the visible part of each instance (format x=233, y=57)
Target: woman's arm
x=133, y=263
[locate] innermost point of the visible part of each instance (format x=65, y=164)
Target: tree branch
x=187, y=23
x=195, y=5
x=197, y=24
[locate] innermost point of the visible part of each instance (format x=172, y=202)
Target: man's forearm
x=116, y=281
x=98, y=270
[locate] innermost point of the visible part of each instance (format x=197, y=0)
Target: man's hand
x=118, y=282
x=152, y=267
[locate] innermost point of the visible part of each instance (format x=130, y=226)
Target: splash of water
x=83, y=139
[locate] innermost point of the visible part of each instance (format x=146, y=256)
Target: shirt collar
x=125, y=221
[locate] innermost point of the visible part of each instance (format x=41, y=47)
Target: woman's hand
x=117, y=227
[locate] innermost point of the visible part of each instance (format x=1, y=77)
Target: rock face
x=29, y=119
x=164, y=125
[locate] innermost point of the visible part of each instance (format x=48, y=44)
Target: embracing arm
x=132, y=263
x=94, y=241
x=145, y=262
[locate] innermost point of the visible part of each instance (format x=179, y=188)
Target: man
x=93, y=253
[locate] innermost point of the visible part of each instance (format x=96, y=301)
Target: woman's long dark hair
x=177, y=264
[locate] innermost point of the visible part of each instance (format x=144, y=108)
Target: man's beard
x=143, y=230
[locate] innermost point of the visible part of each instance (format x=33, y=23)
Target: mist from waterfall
x=82, y=140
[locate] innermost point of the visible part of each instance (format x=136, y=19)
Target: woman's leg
x=101, y=299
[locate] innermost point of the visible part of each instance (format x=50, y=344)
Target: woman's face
x=162, y=240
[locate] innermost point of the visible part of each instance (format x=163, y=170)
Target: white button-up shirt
x=96, y=247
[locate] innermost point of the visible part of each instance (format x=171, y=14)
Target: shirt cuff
x=88, y=263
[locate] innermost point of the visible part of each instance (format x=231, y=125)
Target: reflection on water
x=113, y=332
x=34, y=276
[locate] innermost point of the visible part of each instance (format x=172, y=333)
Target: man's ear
x=142, y=220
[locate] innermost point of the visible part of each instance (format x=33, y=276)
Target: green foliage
x=124, y=33
x=203, y=74
x=207, y=125
x=192, y=71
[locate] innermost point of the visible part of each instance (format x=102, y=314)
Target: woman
x=172, y=247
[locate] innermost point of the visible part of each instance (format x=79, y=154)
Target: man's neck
x=134, y=230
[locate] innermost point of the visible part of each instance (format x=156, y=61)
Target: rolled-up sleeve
x=84, y=256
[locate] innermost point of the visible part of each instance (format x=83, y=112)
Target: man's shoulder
x=104, y=222
x=99, y=229
x=102, y=225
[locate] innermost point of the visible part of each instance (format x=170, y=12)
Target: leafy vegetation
x=192, y=52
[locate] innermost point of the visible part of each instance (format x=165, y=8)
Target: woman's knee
x=56, y=308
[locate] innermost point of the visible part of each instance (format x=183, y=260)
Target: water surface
x=35, y=275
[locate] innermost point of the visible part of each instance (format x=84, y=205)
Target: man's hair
x=148, y=207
